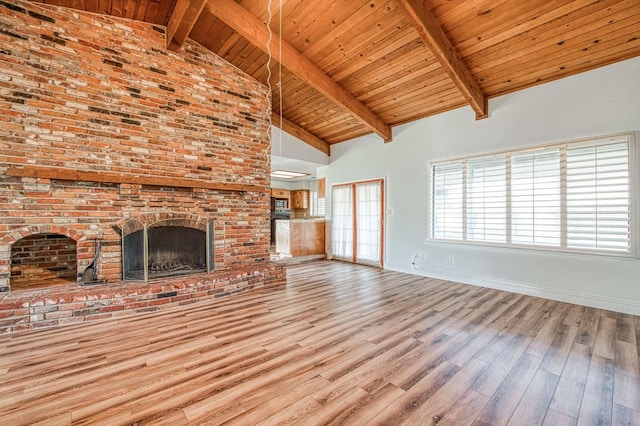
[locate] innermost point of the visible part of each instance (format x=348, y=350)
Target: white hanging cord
x=269, y=91
x=280, y=81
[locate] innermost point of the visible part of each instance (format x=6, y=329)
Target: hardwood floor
x=339, y=344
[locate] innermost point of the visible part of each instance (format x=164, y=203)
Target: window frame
x=634, y=199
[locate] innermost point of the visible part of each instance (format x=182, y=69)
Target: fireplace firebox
x=165, y=249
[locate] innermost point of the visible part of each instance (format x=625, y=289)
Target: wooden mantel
x=111, y=177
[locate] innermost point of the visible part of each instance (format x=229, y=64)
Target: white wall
x=289, y=147
x=292, y=154
x=600, y=102
x=281, y=184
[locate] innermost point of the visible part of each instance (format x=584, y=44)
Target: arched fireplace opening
x=43, y=260
x=164, y=249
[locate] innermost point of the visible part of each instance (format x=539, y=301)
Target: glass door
x=357, y=227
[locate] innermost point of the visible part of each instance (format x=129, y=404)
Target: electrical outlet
x=421, y=255
x=449, y=261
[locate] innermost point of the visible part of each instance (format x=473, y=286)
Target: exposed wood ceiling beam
x=437, y=41
x=257, y=34
x=184, y=17
x=300, y=133
x=185, y=14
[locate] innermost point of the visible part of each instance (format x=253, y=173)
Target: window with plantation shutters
x=487, y=199
x=599, y=195
x=576, y=196
x=448, y=201
x=536, y=197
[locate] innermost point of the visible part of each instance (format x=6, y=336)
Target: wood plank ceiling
x=346, y=68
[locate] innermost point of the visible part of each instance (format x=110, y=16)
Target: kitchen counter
x=300, y=237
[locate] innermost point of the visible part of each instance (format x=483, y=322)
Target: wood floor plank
x=625, y=386
x=421, y=361
x=477, y=311
x=365, y=353
x=401, y=410
x=547, y=333
x=534, y=404
x=477, y=343
x=491, y=316
x=625, y=416
x=597, y=402
x=574, y=316
x=502, y=365
x=439, y=404
x=636, y=324
x=338, y=409
x=337, y=344
x=522, y=309
x=509, y=331
x=292, y=414
x=465, y=410
x=627, y=357
x=625, y=329
x=372, y=376
x=59, y=420
x=262, y=402
x=559, y=351
x=588, y=327
x=556, y=418
x=505, y=399
x=568, y=395
x=201, y=395
x=604, y=344
x=382, y=398
x=541, y=317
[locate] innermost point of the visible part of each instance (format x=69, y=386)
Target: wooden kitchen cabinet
x=300, y=199
x=300, y=237
x=280, y=193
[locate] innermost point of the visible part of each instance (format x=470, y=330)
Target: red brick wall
x=92, y=93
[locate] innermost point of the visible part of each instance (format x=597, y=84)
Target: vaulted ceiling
x=340, y=69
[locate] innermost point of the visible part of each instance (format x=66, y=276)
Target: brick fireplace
x=131, y=177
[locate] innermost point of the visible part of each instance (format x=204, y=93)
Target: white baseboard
x=595, y=301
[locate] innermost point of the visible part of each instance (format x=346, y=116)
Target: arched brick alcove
x=43, y=256
x=43, y=260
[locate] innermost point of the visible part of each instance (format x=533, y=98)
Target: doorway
x=357, y=227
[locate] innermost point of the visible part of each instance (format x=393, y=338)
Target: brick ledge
x=22, y=310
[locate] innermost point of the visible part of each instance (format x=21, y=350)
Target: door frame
x=353, y=186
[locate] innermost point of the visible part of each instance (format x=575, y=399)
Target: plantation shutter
x=536, y=213
x=447, y=220
x=599, y=195
x=487, y=199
